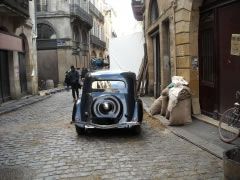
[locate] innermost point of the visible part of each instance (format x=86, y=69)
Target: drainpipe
x=174, y=6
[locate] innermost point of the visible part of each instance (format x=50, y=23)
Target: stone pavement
x=200, y=133
x=37, y=142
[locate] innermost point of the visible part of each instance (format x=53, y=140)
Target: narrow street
x=38, y=142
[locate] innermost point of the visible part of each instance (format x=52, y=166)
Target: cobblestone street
x=38, y=142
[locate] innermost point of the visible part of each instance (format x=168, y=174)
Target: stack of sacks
x=156, y=106
x=179, y=106
x=160, y=105
x=174, y=102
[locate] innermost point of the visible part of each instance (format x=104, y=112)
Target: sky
x=125, y=23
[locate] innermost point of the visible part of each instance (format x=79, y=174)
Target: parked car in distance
x=109, y=100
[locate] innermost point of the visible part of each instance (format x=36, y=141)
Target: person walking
x=74, y=81
x=67, y=80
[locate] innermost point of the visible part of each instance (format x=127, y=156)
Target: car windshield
x=108, y=86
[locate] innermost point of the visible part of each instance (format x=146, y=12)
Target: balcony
x=81, y=14
x=138, y=9
x=15, y=8
x=96, y=12
x=97, y=42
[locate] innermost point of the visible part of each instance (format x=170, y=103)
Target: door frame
x=155, y=36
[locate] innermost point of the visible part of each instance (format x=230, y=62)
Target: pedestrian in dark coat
x=67, y=80
x=74, y=81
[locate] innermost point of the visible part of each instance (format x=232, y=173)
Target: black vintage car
x=108, y=101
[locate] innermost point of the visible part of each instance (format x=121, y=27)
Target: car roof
x=110, y=74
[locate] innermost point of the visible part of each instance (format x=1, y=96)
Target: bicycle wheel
x=229, y=125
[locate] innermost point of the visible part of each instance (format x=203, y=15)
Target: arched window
x=154, y=11
x=46, y=32
x=93, y=54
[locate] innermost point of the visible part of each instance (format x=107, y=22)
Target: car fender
x=76, y=114
x=138, y=111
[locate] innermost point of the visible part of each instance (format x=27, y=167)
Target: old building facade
x=18, y=60
x=194, y=39
x=63, y=37
x=97, y=39
x=69, y=33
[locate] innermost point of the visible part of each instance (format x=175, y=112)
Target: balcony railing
x=97, y=42
x=41, y=7
x=138, y=9
x=81, y=14
x=96, y=12
x=17, y=7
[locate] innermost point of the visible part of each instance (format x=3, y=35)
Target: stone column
x=15, y=89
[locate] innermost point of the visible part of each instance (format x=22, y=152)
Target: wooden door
x=4, y=77
x=228, y=24
x=207, y=64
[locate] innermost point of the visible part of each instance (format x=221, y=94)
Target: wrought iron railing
x=97, y=42
x=76, y=10
x=96, y=12
x=20, y=6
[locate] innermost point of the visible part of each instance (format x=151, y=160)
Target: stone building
x=97, y=39
x=63, y=37
x=69, y=33
x=196, y=39
x=18, y=61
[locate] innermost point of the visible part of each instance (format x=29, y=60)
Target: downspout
x=174, y=6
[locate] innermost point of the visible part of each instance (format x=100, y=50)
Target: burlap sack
x=167, y=114
x=156, y=106
x=181, y=113
x=184, y=93
x=164, y=105
x=165, y=92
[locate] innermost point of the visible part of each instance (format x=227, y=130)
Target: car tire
x=74, y=112
x=79, y=130
x=136, y=130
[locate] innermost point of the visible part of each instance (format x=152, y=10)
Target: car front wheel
x=79, y=130
x=136, y=130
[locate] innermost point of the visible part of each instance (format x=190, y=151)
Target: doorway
x=156, y=62
x=166, y=53
x=207, y=64
x=22, y=72
x=219, y=66
x=229, y=27
x=4, y=77
x=22, y=67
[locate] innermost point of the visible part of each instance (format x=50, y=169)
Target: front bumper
x=125, y=125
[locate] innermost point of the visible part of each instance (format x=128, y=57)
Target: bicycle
x=229, y=124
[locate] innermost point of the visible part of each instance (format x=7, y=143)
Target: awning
x=10, y=42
